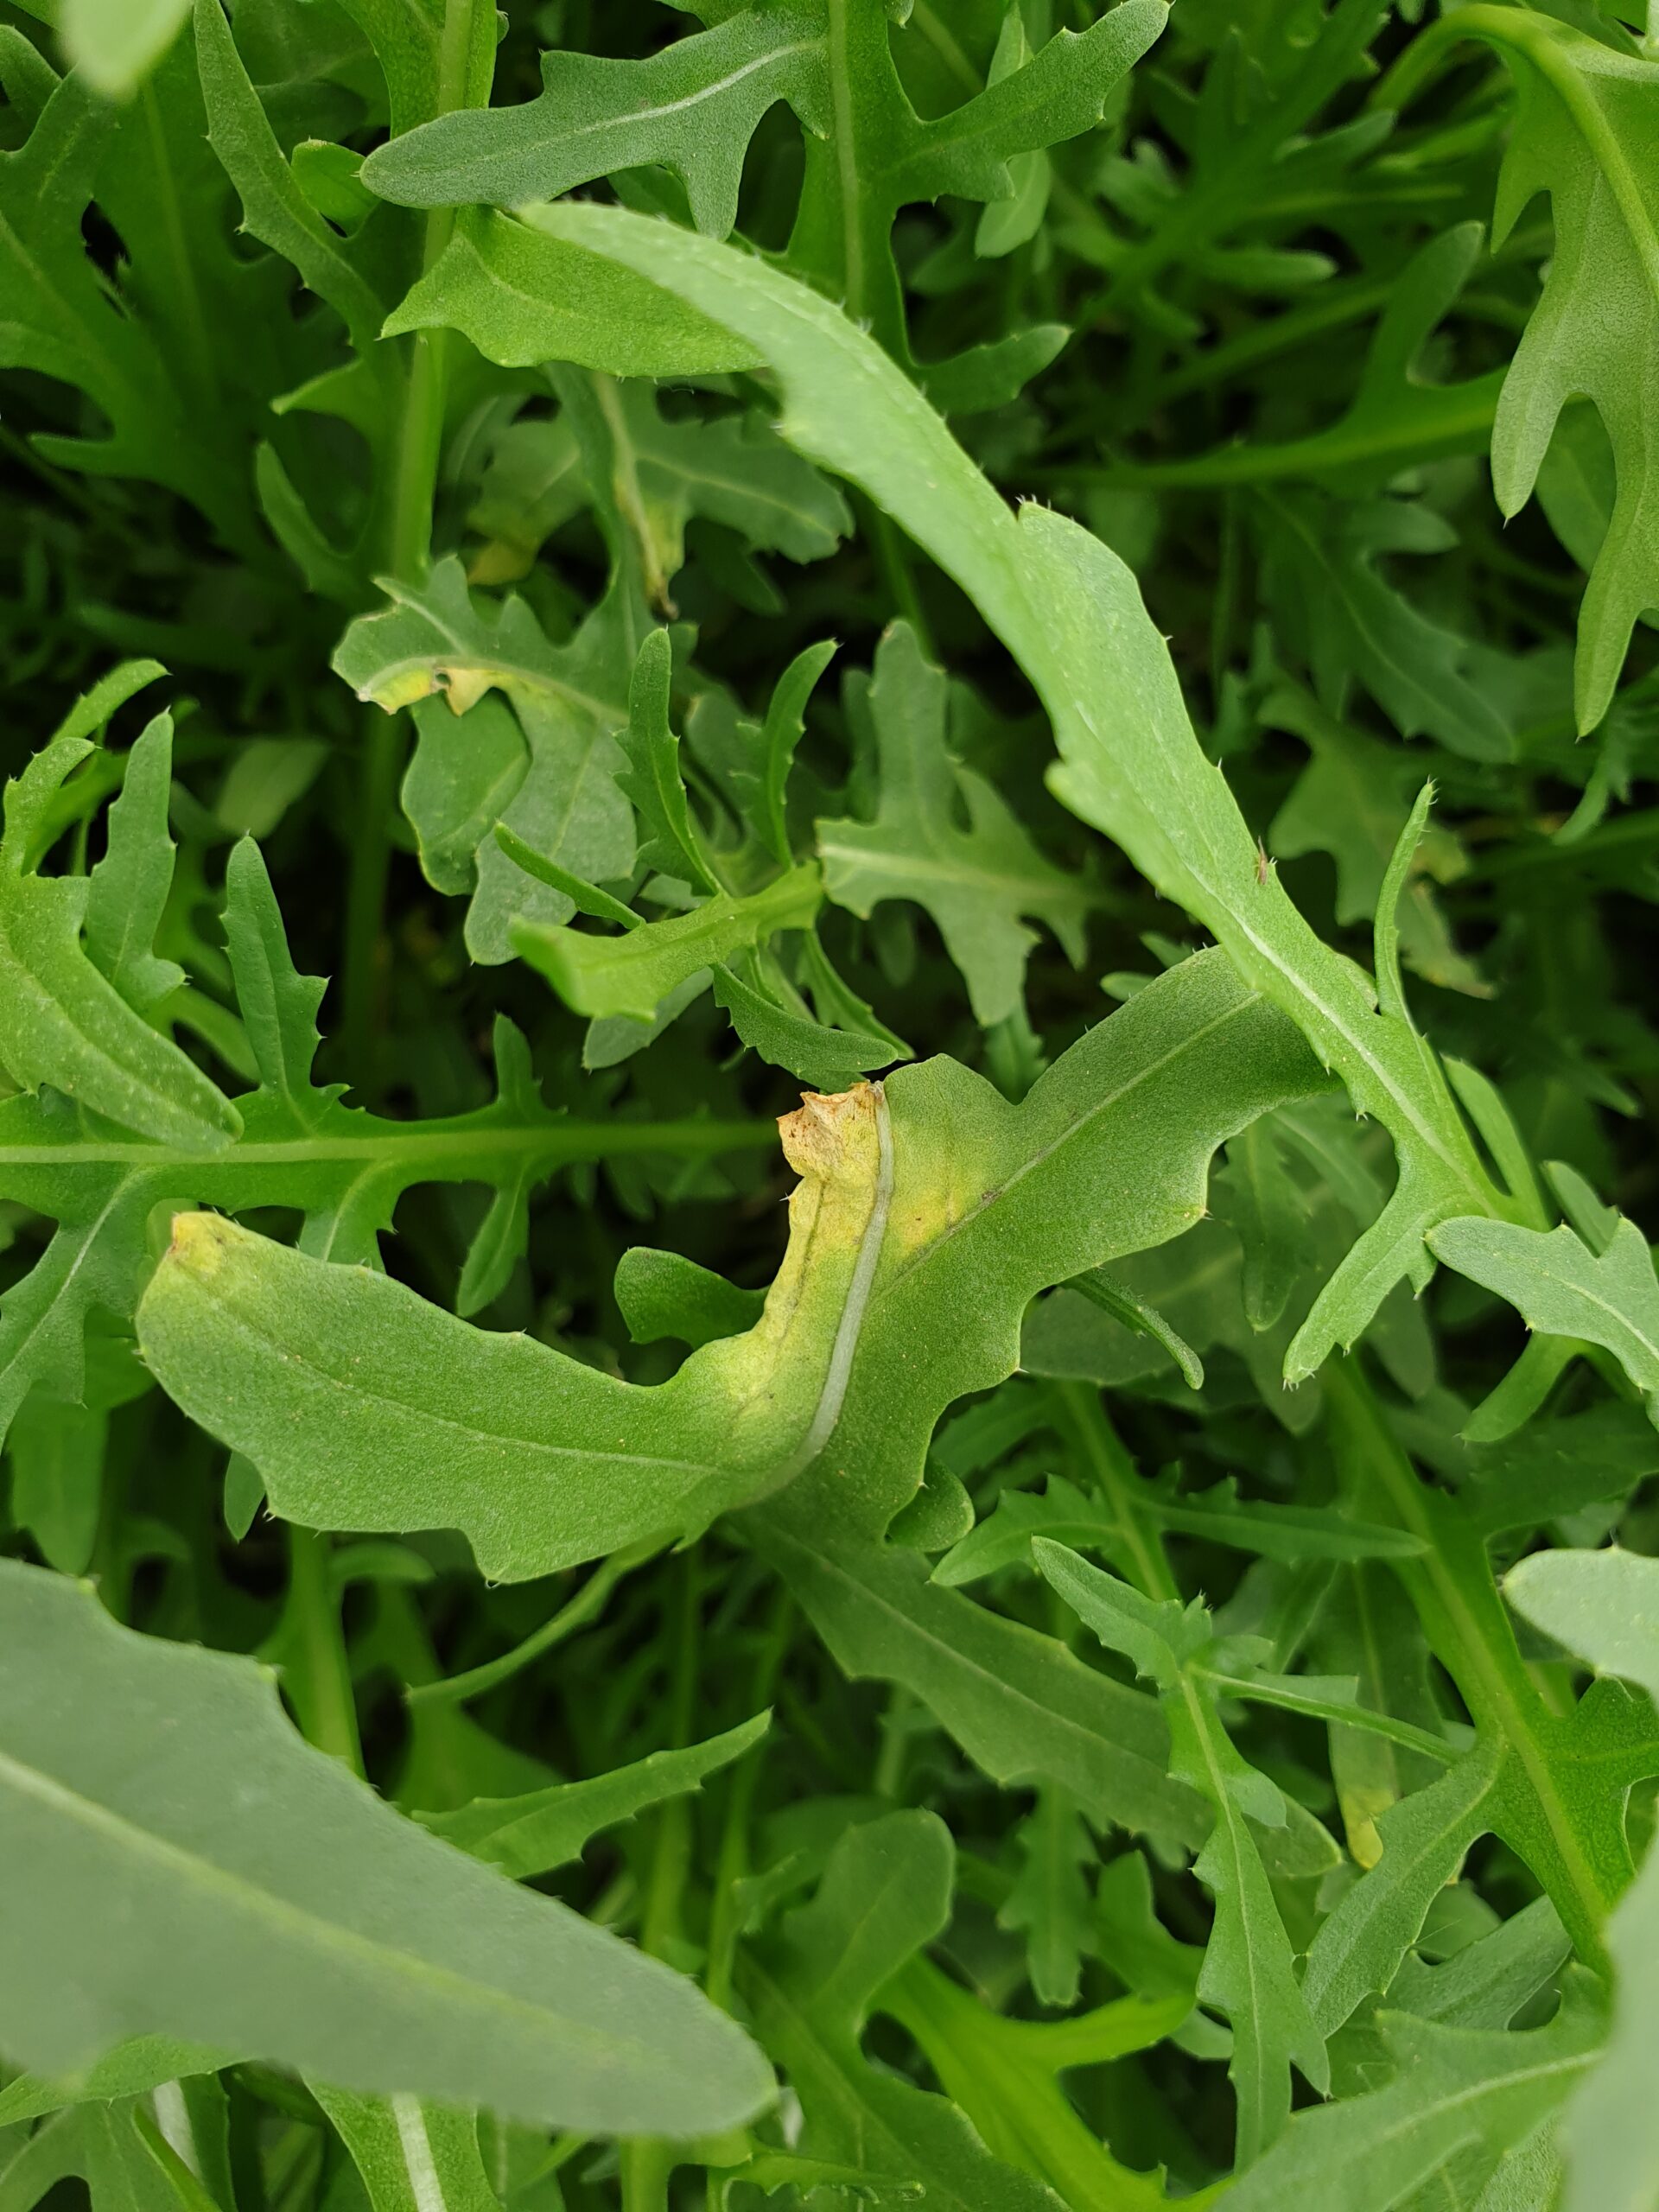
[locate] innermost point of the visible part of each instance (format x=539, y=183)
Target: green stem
x=1452, y=1587
x=646, y=2165
x=732, y=1863
x=1457, y=428
x=890, y=551
x=889, y=1778
x=365, y=896
x=410, y=495
x=588, y=1603
x=1102, y=1452
x=317, y=1675
x=431, y=1151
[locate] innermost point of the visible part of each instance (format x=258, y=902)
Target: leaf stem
x=586, y=1605
x=1115, y=1478
x=317, y=1673
x=444, y=1150
x=416, y=456
x=1451, y=1586
x=366, y=895
x=646, y=2165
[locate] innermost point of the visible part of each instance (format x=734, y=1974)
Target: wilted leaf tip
x=834, y=1137
x=199, y=1242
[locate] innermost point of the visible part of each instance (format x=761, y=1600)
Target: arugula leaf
x=1018, y=1703
x=1604, y=1606
x=885, y=1893
x=1050, y=1899
x=72, y=1024
x=976, y=881
x=1461, y=2098
x=289, y=308
x=1050, y=589
x=1559, y=1283
x=732, y=469
x=546, y=1828
x=1248, y=1971
x=695, y=106
x=407, y=2151
x=59, y=318
x=323, y=1375
x=1584, y=133
x=1397, y=419
x=299, y=1145
x=117, y=48
x=524, y=299
x=556, y=784
x=264, y=1871
x=633, y=974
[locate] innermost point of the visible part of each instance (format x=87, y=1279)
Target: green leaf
x=532, y=1834
x=115, y=43
x=1129, y=761
x=127, y=891
x=1461, y=2097
x=1006, y=2073
x=277, y=211
x=733, y=470
x=975, y=881
x=1248, y=1972
x=300, y=1147
x=1350, y=802
x=784, y=724
x=1350, y=622
x=410, y=44
x=774, y=1023
x=1020, y=1704
x=1369, y=1631
x=60, y=320
x=668, y=840
x=693, y=107
x=69, y=1025
x=1397, y=419
x=1050, y=1901
x=1586, y=129
x=1140, y=1319
x=139, y=2064
x=569, y=701
x=1485, y=1984
x=661, y=1294
x=885, y=1893
x=633, y=974
x=56, y=1454
x=1065, y=1514
x=385, y=1375
x=1423, y=1837
x=1553, y=1468
x=292, y=1915
x=1560, y=1285
x=413, y=2156
x=1604, y=1607
x=278, y=1004
x=342, y=1384
x=524, y=298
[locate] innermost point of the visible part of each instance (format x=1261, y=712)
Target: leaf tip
x=200, y=1241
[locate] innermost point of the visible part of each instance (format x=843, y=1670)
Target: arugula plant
x=827, y=1354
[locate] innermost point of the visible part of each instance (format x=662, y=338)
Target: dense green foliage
x=1023, y=625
